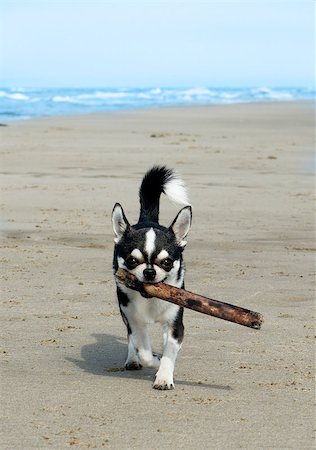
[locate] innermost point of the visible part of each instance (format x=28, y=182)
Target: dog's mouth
x=155, y=281
x=142, y=279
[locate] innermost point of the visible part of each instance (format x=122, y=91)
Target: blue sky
x=126, y=43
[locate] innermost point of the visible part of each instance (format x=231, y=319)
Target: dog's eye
x=166, y=264
x=131, y=262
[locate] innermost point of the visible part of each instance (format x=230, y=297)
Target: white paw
x=163, y=382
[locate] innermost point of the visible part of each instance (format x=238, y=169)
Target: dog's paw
x=133, y=365
x=163, y=383
x=163, y=386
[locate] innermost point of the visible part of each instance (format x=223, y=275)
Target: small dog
x=153, y=253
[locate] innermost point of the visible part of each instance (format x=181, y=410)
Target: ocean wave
x=198, y=92
x=271, y=94
x=64, y=99
x=14, y=96
x=21, y=103
x=112, y=95
x=84, y=98
x=156, y=91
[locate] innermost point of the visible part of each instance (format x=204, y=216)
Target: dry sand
x=249, y=170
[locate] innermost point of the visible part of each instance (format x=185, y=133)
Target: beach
x=249, y=170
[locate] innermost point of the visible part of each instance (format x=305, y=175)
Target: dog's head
x=150, y=251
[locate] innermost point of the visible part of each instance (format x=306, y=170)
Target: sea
x=25, y=103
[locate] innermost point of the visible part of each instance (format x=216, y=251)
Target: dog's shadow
x=103, y=356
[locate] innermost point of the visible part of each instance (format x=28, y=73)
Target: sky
x=125, y=43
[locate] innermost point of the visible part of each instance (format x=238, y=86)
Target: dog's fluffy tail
x=157, y=180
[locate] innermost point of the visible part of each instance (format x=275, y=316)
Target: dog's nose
x=149, y=274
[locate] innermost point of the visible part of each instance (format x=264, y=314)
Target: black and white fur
x=153, y=253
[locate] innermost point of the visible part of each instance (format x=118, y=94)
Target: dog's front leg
x=172, y=345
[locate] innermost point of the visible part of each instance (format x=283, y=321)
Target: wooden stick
x=193, y=301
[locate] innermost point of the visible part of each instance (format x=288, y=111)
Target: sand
x=249, y=171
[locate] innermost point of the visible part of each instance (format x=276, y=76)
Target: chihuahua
x=153, y=253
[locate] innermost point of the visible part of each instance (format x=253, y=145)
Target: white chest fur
x=148, y=310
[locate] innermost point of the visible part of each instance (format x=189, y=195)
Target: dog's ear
x=119, y=221
x=181, y=225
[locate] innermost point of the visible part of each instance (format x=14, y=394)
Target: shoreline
x=248, y=171
x=306, y=102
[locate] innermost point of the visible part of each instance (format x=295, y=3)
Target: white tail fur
x=176, y=191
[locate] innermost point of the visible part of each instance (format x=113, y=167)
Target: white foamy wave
x=14, y=96
x=198, y=92
x=108, y=95
x=87, y=98
x=61, y=98
x=156, y=91
x=64, y=99
x=19, y=96
x=271, y=94
x=229, y=95
x=143, y=96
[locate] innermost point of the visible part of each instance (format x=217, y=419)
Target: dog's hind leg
x=132, y=361
x=140, y=341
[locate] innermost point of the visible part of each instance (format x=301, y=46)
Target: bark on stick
x=193, y=301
